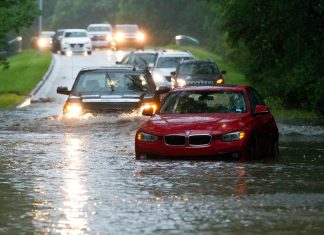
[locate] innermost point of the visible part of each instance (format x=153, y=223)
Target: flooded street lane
x=79, y=176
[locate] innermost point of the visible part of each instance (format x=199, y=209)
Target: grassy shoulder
x=26, y=70
x=235, y=76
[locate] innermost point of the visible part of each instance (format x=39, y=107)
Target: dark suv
x=110, y=89
x=197, y=73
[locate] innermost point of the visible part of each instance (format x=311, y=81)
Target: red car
x=227, y=122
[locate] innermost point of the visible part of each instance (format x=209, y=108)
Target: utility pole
x=40, y=23
x=40, y=18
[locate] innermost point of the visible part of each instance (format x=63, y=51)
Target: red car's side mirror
x=261, y=109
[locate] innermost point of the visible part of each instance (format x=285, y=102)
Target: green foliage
x=81, y=13
x=14, y=14
x=284, y=47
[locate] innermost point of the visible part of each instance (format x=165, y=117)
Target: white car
x=101, y=35
x=165, y=63
x=75, y=41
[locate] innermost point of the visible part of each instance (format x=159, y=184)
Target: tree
x=284, y=47
x=14, y=15
x=81, y=13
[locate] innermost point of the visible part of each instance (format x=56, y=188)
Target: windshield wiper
x=111, y=82
x=134, y=82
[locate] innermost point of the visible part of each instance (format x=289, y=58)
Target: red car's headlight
x=233, y=136
x=142, y=136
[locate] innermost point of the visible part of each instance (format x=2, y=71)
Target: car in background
x=229, y=122
x=101, y=35
x=197, y=73
x=75, y=41
x=128, y=36
x=167, y=62
x=139, y=58
x=110, y=89
x=56, y=45
x=44, y=40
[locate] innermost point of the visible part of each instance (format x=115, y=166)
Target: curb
x=27, y=100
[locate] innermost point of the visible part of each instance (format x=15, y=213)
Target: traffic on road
x=120, y=139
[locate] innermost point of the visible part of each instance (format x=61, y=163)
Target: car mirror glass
x=63, y=90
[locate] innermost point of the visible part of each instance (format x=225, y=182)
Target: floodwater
x=79, y=176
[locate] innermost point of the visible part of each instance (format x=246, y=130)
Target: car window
x=185, y=102
x=127, y=59
x=127, y=28
x=110, y=83
x=75, y=34
x=197, y=69
x=255, y=99
x=144, y=59
x=99, y=29
x=170, y=62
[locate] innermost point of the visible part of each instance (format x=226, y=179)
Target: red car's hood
x=215, y=124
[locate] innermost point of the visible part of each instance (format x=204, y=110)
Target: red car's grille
x=199, y=139
x=193, y=140
x=178, y=140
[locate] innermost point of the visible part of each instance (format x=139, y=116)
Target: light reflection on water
x=75, y=219
x=80, y=177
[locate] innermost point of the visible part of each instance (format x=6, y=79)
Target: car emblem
x=188, y=132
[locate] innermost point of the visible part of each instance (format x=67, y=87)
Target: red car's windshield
x=186, y=102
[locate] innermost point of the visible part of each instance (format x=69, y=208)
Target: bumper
x=102, y=107
x=130, y=43
x=158, y=149
x=76, y=49
x=99, y=44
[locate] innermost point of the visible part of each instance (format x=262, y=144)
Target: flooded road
x=79, y=176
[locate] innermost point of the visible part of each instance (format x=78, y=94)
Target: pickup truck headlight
x=73, y=110
x=120, y=37
x=152, y=106
x=158, y=78
x=145, y=137
x=233, y=136
x=181, y=82
x=140, y=36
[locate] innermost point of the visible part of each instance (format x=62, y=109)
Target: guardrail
x=13, y=46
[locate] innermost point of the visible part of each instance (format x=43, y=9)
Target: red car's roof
x=212, y=88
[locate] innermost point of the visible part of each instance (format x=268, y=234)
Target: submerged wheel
x=275, y=150
x=139, y=156
x=252, y=152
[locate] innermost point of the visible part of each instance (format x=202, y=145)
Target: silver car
x=101, y=35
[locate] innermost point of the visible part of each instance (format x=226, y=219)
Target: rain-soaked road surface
x=65, y=176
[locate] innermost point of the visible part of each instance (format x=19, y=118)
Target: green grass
x=232, y=76
x=26, y=70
